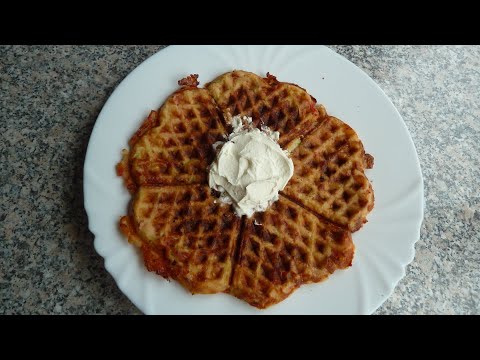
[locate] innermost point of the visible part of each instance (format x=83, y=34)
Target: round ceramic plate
x=384, y=246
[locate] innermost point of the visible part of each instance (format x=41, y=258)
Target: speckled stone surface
x=50, y=97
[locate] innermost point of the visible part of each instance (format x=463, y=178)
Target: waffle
x=290, y=247
x=329, y=175
x=187, y=235
x=282, y=107
x=175, y=145
x=184, y=234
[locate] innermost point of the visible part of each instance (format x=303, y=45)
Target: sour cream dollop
x=250, y=168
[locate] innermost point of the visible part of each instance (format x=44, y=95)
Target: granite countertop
x=50, y=97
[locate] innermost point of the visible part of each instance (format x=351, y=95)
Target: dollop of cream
x=250, y=168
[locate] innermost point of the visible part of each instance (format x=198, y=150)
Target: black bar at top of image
x=398, y=23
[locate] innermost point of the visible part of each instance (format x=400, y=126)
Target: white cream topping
x=250, y=168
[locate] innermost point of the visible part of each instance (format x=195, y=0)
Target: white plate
x=384, y=246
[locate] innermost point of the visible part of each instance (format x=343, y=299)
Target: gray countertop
x=50, y=97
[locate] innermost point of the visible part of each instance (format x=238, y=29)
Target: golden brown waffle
x=178, y=147
x=329, y=175
x=187, y=235
x=282, y=107
x=291, y=247
x=184, y=234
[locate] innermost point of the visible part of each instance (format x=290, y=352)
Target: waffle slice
x=329, y=175
x=282, y=107
x=184, y=234
x=290, y=247
x=174, y=146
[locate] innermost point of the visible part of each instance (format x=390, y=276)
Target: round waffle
x=186, y=234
